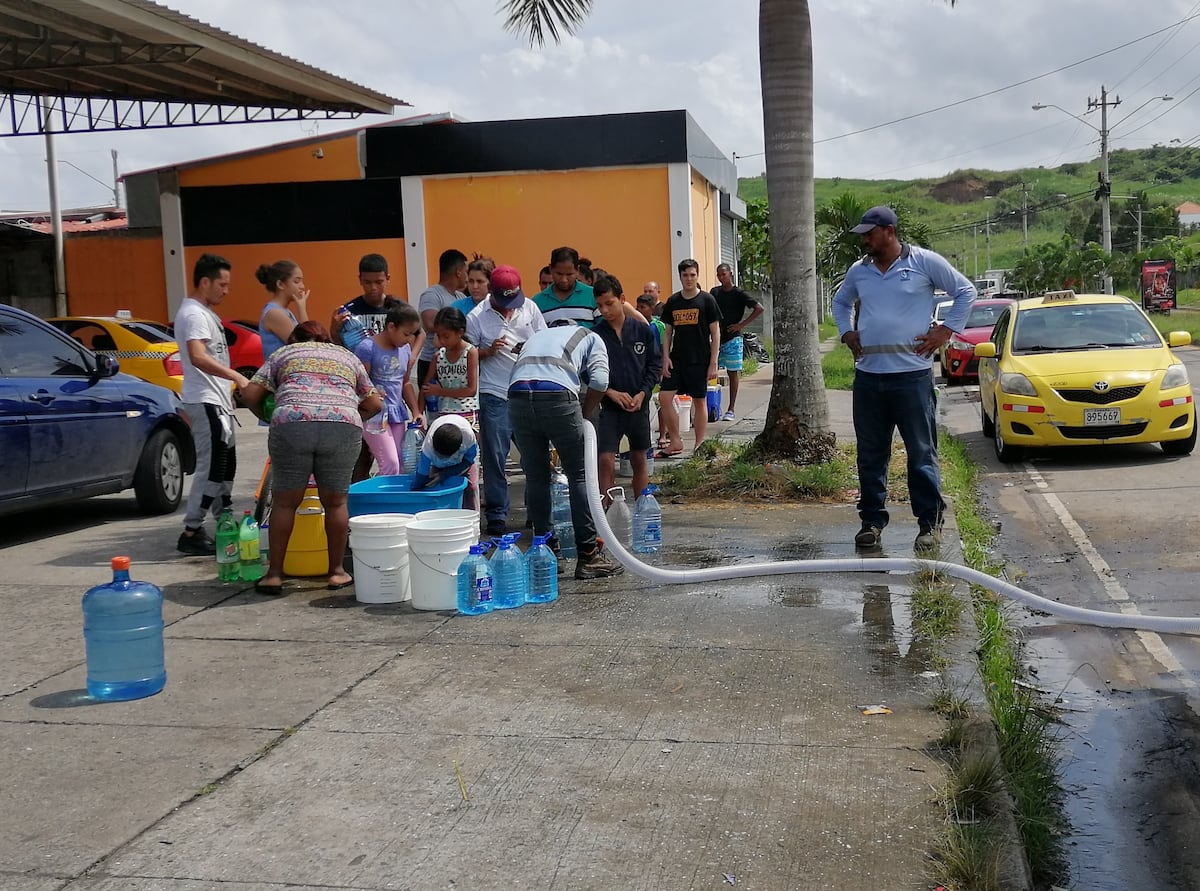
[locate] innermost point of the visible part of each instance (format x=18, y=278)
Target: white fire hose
x=672, y=576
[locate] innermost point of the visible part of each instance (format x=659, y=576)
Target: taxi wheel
x=985, y=423
x=1180, y=446
x=1008, y=454
x=158, y=480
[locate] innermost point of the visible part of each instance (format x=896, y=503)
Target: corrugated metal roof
x=140, y=50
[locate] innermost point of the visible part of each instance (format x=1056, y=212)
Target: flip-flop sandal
x=663, y=453
x=340, y=585
x=269, y=590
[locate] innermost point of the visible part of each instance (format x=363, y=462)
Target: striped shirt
x=566, y=357
x=579, y=306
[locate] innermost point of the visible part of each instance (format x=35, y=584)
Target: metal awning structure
x=69, y=66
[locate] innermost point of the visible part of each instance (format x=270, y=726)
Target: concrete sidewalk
x=633, y=736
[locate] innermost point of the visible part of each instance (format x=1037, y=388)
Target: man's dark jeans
x=539, y=420
x=884, y=403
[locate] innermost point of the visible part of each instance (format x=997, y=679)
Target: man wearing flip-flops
x=690, y=345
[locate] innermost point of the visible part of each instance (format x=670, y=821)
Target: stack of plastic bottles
x=240, y=557
x=510, y=579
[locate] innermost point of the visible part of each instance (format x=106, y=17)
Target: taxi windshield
x=1082, y=327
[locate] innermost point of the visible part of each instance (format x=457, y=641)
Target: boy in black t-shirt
x=733, y=303
x=634, y=368
x=690, y=346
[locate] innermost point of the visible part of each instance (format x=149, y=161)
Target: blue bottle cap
x=650, y=489
x=541, y=539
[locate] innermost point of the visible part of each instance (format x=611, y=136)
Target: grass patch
x=1178, y=321
x=838, y=367
x=721, y=469
x=826, y=329
x=1025, y=728
x=749, y=366
x=936, y=610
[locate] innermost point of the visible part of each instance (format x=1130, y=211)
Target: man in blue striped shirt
x=557, y=367
x=893, y=344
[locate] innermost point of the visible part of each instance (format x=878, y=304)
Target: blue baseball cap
x=880, y=215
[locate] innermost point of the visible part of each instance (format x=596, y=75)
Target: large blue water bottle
x=475, y=582
x=560, y=514
x=123, y=633
x=647, y=523
x=510, y=573
x=353, y=331
x=543, y=571
x=410, y=448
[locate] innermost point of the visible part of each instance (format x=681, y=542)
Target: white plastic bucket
x=380, y=548
x=449, y=513
x=683, y=407
x=435, y=548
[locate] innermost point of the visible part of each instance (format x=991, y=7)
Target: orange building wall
x=705, y=204
x=283, y=165
x=619, y=219
x=330, y=272
x=109, y=272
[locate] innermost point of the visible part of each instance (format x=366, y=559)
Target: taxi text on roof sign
x=1058, y=296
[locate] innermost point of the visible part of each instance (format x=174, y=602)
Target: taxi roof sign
x=1058, y=296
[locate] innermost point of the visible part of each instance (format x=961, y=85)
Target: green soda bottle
x=251, y=562
x=228, y=552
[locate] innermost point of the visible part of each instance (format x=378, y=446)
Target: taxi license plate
x=1101, y=417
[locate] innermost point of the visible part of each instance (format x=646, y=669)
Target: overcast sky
x=876, y=61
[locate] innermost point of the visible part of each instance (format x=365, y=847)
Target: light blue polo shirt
x=579, y=307
x=896, y=306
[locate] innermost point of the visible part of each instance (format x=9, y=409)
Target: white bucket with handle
x=380, y=547
x=436, y=545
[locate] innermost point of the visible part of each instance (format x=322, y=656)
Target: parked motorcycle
x=752, y=347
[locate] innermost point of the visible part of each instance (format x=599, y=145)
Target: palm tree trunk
x=797, y=424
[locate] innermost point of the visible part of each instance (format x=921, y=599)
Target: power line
x=1011, y=86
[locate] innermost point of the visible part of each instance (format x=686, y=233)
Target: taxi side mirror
x=985, y=350
x=1179, y=338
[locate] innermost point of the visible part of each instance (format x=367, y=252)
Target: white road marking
x=1115, y=590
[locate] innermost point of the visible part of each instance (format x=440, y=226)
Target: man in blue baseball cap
x=893, y=345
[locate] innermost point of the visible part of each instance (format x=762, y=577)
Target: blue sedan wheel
x=158, y=482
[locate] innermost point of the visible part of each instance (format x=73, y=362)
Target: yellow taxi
x=1082, y=369
x=143, y=348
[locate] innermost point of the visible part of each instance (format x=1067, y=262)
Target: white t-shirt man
x=195, y=321
x=486, y=325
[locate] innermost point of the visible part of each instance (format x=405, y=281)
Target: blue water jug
x=410, y=448
x=353, y=331
x=510, y=573
x=543, y=571
x=560, y=514
x=123, y=634
x=647, y=523
x=475, y=582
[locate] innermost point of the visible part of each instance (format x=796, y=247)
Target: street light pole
x=1105, y=190
x=1103, y=193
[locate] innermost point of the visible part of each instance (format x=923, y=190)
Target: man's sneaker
x=597, y=565
x=197, y=545
x=869, y=537
x=729, y=416
x=929, y=538
x=495, y=527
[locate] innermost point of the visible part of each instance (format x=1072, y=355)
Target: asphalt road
x=1111, y=528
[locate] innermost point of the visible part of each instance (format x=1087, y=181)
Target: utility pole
x=116, y=181
x=987, y=237
x=976, y=251
x=1024, y=217
x=1104, y=192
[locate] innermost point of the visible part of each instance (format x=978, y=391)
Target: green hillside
x=958, y=210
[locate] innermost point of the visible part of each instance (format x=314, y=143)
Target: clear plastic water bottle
x=510, y=574
x=619, y=519
x=353, y=331
x=647, y=523
x=251, y=568
x=560, y=514
x=123, y=634
x=228, y=550
x=543, y=571
x=410, y=448
x=475, y=582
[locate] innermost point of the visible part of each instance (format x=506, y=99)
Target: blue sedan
x=72, y=426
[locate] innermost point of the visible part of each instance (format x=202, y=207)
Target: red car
x=245, y=346
x=958, y=354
